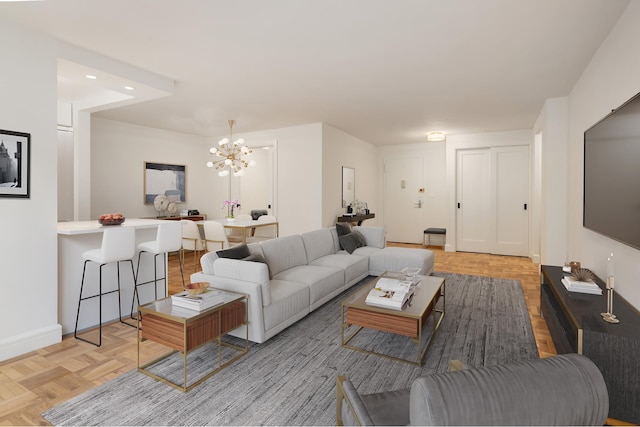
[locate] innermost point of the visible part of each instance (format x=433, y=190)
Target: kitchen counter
x=76, y=237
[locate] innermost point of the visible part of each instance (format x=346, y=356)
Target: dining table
x=244, y=225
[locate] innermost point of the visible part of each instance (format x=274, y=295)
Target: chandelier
x=231, y=155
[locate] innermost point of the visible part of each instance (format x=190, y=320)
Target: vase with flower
x=231, y=205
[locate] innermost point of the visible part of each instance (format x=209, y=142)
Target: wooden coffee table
x=408, y=322
x=185, y=330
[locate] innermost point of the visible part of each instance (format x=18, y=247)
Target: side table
x=185, y=330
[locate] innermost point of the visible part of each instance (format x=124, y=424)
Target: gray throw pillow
x=352, y=241
x=343, y=228
x=236, y=252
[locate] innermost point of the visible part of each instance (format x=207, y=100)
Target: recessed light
x=128, y=87
x=91, y=76
x=436, y=136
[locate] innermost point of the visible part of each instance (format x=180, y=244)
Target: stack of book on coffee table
x=390, y=293
x=208, y=299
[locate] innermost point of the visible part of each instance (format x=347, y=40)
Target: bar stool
x=168, y=239
x=118, y=245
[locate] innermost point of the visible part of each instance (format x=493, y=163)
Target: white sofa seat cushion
x=284, y=253
x=354, y=266
x=289, y=299
x=321, y=281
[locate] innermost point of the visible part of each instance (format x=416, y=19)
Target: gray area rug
x=290, y=379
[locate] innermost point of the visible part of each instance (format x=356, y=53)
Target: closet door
x=473, y=197
x=492, y=200
x=510, y=178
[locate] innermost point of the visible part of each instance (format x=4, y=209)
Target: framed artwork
x=15, y=159
x=161, y=178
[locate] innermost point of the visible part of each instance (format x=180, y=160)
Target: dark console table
x=576, y=326
x=356, y=218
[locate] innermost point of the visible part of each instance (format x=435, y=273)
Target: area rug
x=290, y=379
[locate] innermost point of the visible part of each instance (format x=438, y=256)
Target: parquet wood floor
x=31, y=383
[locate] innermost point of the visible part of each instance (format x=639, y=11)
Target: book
x=208, y=299
x=389, y=293
x=573, y=285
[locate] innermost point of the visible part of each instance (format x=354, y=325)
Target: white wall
x=118, y=153
x=28, y=253
x=551, y=175
x=610, y=79
x=436, y=195
x=341, y=149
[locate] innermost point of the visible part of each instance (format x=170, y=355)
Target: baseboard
x=33, y=340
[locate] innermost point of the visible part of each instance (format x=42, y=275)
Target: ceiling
x=384, y=71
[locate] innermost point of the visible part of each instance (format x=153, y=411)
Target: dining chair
x=191, y=240
x=265, y=232
x=235, y=235
x=215, y=236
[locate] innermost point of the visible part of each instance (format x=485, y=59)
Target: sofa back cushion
x=318, y=243
x=284, y=253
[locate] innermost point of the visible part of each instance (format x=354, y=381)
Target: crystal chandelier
x=232, y=154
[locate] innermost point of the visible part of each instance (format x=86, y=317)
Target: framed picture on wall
x=15, y=159
x=161, y=178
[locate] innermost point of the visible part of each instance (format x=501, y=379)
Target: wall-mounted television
x=612, y=175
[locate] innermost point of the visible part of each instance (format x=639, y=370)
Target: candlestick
x=610, y=265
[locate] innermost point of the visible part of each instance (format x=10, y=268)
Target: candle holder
x=609, y=316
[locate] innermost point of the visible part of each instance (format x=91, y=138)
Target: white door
x=403, y=201
x=492, y=200
x=511, y=177
x=473, y=195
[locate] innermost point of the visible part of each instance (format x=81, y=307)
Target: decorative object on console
x=172, y=208
x=231, y=153
x=609, y=316
x=161, y=203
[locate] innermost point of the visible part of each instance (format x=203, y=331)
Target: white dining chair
x=215, y=236
x=168, y=239
x=191, y=240
x=235, y=235
x=118, y=245
x=265, y=232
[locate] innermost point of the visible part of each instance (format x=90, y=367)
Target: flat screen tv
x=612, y=175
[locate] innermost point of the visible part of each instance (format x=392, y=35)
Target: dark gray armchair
x=561, y=390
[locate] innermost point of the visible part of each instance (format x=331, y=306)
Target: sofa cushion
x=320, y=280
x=288, y=300
x=318, y=243
x=350, y=242
x=235, y=252
x=374, y=236
x=354, y=266
x=284, y=253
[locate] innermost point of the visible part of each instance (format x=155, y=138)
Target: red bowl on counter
x=111, y=219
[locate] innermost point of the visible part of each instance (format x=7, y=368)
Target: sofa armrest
x=246, y=271
x=374, y=236
x=350, y=409
x=206, y=262
x=254, y=303
x=562, y=390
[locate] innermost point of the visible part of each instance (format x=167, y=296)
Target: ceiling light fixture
x=232, y=154
x=129, y=87
x=436, y=136
x=91, y=76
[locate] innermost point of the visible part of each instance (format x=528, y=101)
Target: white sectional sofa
x=302, y=272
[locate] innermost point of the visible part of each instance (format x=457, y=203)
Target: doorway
x=403, y=199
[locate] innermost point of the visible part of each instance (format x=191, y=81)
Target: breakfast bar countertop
x=70, y=228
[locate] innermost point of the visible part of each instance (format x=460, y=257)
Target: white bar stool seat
x=118, y=245
x=168, y=239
